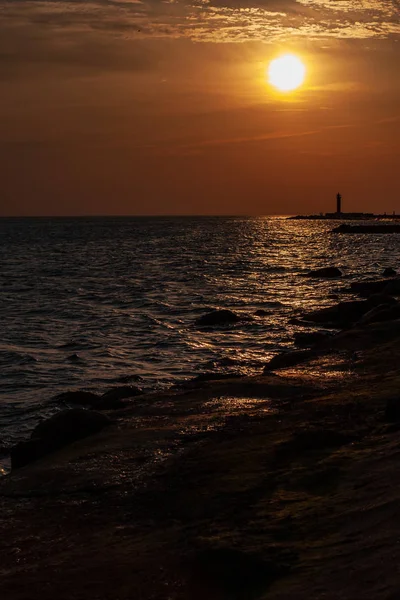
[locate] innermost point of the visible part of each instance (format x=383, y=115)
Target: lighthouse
x=338, y=203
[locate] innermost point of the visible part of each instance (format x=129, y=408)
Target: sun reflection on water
x=104, y=311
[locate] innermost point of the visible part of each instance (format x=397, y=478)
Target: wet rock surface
x=237, y=574
x=346, y=228
x=272, y=486
x=79, y=397
x=393, y=287
x=382, y=312
x=326, y=272
x=61, y=429
x=262, y=312
x=371, y=286
x=118, y=397
x=346, y=314
x=392, y=409
x=218, y=318
x=111, y=400
x=122, y=392
x=310, y=338
x=340, y=315
x=4, y=450
x=287, y=359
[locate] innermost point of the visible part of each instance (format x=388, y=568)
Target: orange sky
x=162, y=107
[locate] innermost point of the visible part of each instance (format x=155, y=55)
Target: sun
x=286, y=73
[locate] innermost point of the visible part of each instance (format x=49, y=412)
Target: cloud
x=101, y=34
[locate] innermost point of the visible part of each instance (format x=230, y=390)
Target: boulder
x=74, y=358
x=312, y=440
x=115, y=397
x=392, y=288
x=128, y=378
x=27, y=452
x=310, y=338
x=231, y=573
x=4, y=449
x=370, y=286
x=327, y=272
x=78, y=397
x=380, y=313
x=347, y=228
x=389, y=272
x=218, y=317
x=287, y=359
x=111, y=400
x=61, y=429
x=204, y=377
x=342, y=314
x=121, y=392
x=379, y=299
x=70, y=425
x=392, y=410
x=345, y=314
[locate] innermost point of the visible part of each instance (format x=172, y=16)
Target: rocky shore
x=278, y=486
x=346, y=228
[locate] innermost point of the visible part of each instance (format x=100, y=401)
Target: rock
x=342, y=314
x=392, y=410
x=114, y=398
x=111, y=400
x=128, y=378
x=79, y=397
x=204, y=377
x=26, y=452
x=75, y=358
x=70, y=425
x=4, y=449
x=61, y=429
x=370, y=286
x=327, y=272
x=313, y=439
x=392, y=288
x=287, y=359
x=307, y=339
x=346, y=314
x=123, y=391
x=218, y=317
x=366, y=337
x=380, y=313
x=389, y=272
x=296, y=321
x=232, y=573
x=379, y=299
x=347, y=228
x=261, y=312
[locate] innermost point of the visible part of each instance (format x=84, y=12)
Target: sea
x=95, y=302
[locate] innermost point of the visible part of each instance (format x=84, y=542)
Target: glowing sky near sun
x=151, y=107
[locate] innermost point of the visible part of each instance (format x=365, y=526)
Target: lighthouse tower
x=338, y=203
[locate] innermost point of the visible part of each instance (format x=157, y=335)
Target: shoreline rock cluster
x=215, y=492
x=379, y=229
x=379, y=304
x=278, y=486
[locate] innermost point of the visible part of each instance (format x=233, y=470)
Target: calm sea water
x=86, y=303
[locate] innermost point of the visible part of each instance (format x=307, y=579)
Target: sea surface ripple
x=90, y=302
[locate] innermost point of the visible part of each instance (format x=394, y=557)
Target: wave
x=100, y=301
